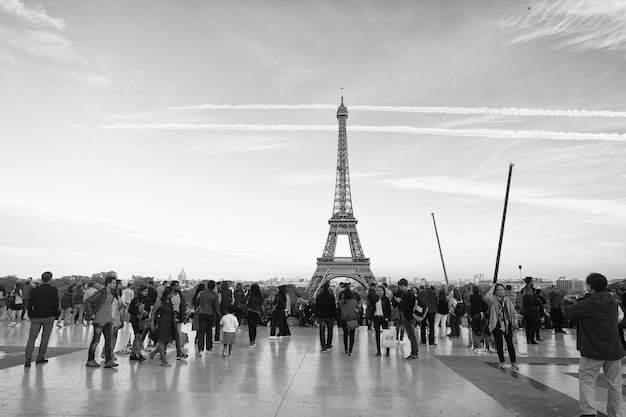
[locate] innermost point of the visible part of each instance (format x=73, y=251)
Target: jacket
x=44, y=302
x=407, y=305
x=429, y=299
x=495, y=311
x=386, y=305
x=325, y=305
x=597, y=336
x=93, y=303
x=207, y=303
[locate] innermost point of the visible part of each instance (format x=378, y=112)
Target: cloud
x=37, y=16
x=576, y=25
x=492, y=111
x=477, y=133
x=41, y=43
x=612, y=212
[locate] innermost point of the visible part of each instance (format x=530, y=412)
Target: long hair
x=166, y=292
x=254, y=288
x=201, y=287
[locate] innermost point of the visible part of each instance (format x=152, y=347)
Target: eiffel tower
x=342, y=222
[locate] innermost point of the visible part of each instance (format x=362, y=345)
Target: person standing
x=456, y=308
x=502, y=322
x=239, y=297
x=349, y=313
x=42, y=310
x=98, y=308
x=528, y=295
x=556, y=303
x=597, y=339
x=67, y=304
x=162, y=324
x=254, y=310
x=406, y=307
x=226, y=299
x=26, y=289
x=139, y=311
x=207, y=308
x=381, y=316
x=429, y=300
x=229, y=324
x=325, y=310
x=79, y=307
x=180, y=307
x=441, y=316
x=89, y=291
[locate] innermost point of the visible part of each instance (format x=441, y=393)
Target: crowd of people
x=217, y=311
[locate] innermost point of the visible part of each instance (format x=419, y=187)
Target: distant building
x=563, y=284
x=182, y=277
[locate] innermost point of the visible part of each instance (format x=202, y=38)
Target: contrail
x=506, y=111
x=478, y=133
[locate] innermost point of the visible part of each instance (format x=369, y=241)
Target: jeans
x=253, y=319
x=430, y=319
x=25, y=304
x=98, y=330
x=455, y=326
x=409, y=329
x=379, y=323
x=205, y=326
x=529, y=327
x=498, y=334
x=177, y=337
x=348, y=337
x=35, y=326
x=589, y=370
x=326, y=331
x=79, y=310
x=440, y=322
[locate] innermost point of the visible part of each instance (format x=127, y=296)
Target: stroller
x=307, y=318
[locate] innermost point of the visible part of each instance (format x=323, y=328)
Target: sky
x=149, y=136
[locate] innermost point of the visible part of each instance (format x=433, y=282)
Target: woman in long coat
x=162, y=324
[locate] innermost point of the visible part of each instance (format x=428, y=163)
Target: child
x=480, y=332
x=229, y=325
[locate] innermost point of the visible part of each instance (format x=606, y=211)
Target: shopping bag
x=388, y=338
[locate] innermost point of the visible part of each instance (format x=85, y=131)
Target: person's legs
x=273, y=323
x=329, y=336
x=97, y=332
x=345, y=337
x=252, y=319
x=423, y=326
x=80, y=311
x=209, y=330
x=509, y=344
x=108, y=332
x=203, y=324
x=351, y=334
x=497, y=335
x=431, y=328
x=613, y=375
x=162, y=351
x=35, y=327
x=323, y=322
x=377, y=321
x=177, y=335
x=530, y=329
x=67, y=320
x=217, y=330
x=45, y=337
x=588, y=370
x=285, y=330
x=409, y=328
x=25, y=305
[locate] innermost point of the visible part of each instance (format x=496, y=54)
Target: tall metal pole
x=506, y=202
x=445, y=274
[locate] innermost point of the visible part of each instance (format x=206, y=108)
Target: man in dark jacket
x=597, y=339
x=325, y=310
x=406, y=307
x=428, y=297
x=42, y=310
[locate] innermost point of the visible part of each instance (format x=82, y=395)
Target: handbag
x=352, y=324
x=419, y=312
x=388, y=338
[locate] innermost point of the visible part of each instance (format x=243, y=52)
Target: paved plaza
x=292, y=377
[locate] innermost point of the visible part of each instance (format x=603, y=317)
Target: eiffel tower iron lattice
x=342, y=222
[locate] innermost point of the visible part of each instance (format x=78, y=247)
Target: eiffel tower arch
x=342, y=222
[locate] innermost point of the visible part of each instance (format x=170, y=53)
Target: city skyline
x=147, y=137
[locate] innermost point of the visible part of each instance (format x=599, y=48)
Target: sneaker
x=272, y=337
x=18, y=325
x=182, y=356
x=59, y=325
x=110, y=364
x=324, y=350
x=377, y=354
x=411, y=357
x=27, y=364
x=92, y=364
x=166, y=364
x=11, y=324
x=38, y=361
x=198, y=354
x=224, y=353
x=514, y=367
x=502, y=365
x=251, y=345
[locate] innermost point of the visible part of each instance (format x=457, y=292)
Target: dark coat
x=325, y=306
x=597, y=336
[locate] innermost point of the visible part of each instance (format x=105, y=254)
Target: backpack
x=459, y=310
x=419, y=312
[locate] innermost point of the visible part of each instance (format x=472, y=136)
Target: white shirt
x=128, y=295
x=379, y=308
x=229, y=323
